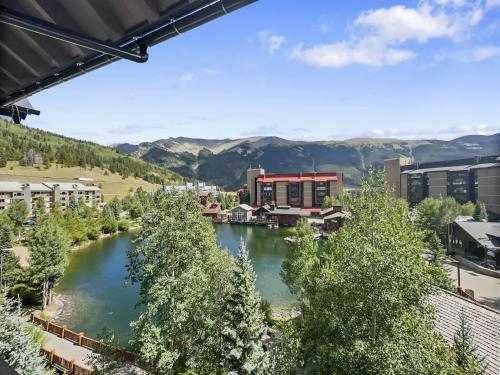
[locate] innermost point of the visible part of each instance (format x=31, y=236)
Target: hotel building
x=50, y=192
x=305, y=190
x=475, y=179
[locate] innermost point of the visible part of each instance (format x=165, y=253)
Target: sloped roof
x=244, y=206
x=484, y=323
x=486, y=234
x=31, y=61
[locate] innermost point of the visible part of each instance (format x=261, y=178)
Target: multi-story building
x=50, y=192
x=306, y=190
x=63, y=191
x=475, y=179
x=200, y=188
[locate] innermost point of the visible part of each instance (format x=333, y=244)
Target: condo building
x=306, y=190
x=50, y=192
x=474, y=179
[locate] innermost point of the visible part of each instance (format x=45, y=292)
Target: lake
x=94, y=282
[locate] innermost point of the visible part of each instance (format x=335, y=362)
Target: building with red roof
x=306, y=190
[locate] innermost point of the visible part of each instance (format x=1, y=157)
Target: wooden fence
x=79, y=339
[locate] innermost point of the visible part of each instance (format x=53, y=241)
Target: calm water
x=94, y=279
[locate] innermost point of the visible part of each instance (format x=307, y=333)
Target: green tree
x=244, y=327
x=364, y=297
x=39, y=209
x=227, y=200
x=437, y=257
x=73, y=204
x=327, y=202
x=48, y=248
x=184, y=280
x=18, y=346
x=109, y=224
x=115, y=207
x=480, y=212
x=6, y=237
x=18, y=212
x=467, y=359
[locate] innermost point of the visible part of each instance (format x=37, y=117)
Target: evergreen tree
x=39, y=209
x=244, y=326
x=437, y=264
x=468, y=361
x=115, y=207
x=6, y=237
x=48, y=248
x=17, y=344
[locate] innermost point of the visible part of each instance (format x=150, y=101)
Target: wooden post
x=51, y=356
x=48, y=325
x=63, y=331
x=72, y=366
x=80, y=336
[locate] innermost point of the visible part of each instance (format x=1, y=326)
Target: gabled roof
x=484, y=322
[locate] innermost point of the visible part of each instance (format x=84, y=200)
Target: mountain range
x=224, y=161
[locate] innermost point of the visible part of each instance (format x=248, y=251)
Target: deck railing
x=79, y=339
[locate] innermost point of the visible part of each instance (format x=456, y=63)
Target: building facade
x=475, y=179
x=50, y=192
x=304, y=190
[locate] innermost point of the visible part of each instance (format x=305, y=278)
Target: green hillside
x=33, y=147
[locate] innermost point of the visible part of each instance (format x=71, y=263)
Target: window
x=267, y=193
x=415, y=188
x=294, y=193
x=320, y=192
x=458, y=186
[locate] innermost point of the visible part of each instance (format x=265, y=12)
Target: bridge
x=70, y=351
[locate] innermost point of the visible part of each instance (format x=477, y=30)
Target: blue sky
x=299, y=69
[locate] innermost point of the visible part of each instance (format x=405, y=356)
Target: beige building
x=50, y=192
x=476, y=179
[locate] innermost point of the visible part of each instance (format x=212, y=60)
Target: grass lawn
x=111, y=184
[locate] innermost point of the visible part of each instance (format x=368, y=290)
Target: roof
x=7, y=186
x=51, y=41
x=71, y=186
x=298, y=177
x=213, y=208
x=486, y=234
x=338, y=215
x=484, y=323
x=39, y=187
x=326, y=211
x=243, y=206
x=293, y=211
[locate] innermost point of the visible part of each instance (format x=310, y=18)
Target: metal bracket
x=35, y=25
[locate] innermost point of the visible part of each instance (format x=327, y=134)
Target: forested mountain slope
x=34, y=147
x=224, y=161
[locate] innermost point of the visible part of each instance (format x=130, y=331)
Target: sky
x=302, y=70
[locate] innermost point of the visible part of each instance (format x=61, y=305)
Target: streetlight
x=2, y=251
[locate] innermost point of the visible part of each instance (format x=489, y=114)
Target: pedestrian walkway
x=486, y=288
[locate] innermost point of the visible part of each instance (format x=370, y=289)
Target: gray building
x=476, y=179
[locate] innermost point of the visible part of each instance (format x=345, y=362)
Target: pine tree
x=73, y=204
x=467, y=359
x=244, y=329
x=5, y=237
x=17, y=344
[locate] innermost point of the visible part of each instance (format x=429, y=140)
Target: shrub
x=110, y=226
x=123, y=225
x=94, y=233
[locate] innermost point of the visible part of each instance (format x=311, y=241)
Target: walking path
x=486, y=288
x=81, y=355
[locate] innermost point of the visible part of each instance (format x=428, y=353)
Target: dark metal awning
x=46, y=42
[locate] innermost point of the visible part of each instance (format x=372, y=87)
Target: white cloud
x=272, y=42
x=439, y=133
x=492, y=3
x=377, y=35
x=485, y=52
x=340, y=54
x=211, y=72
x=185, y=80
x=324, y=28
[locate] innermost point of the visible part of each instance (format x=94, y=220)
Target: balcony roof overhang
x=44, y=43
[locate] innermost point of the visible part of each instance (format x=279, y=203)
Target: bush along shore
x=52, y=235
